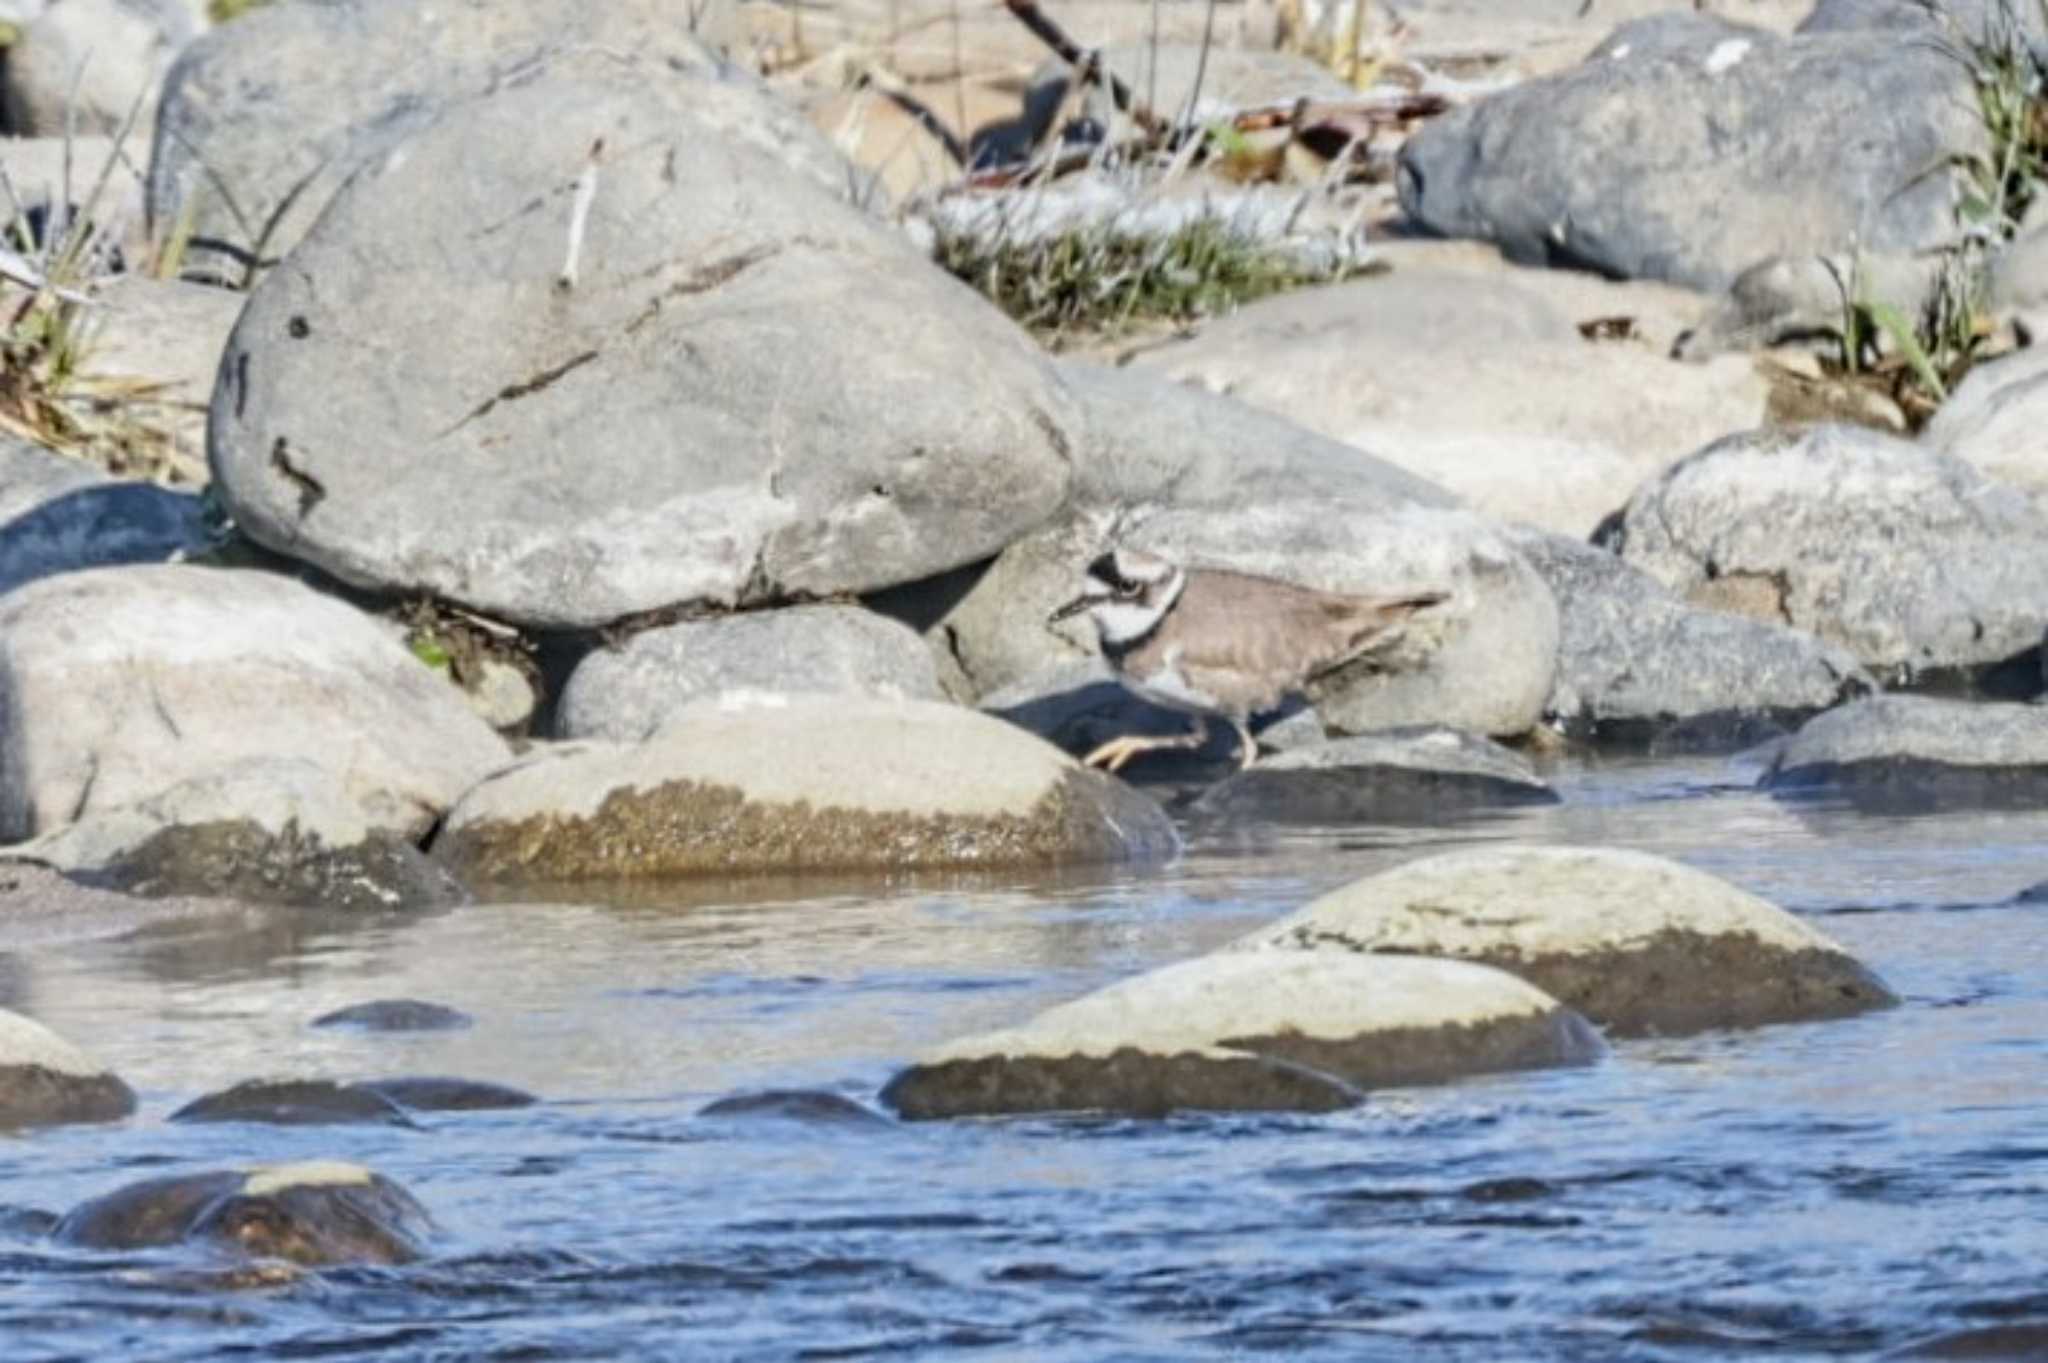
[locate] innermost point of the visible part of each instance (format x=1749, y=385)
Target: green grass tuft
x=220, y=11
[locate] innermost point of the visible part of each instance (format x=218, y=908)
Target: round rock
x=1918, y=753
x=397, y=1015
x=625, y=694
x=292, y=1102
x=1399, y=776
x=727, y=397
x=799, y=783
x=1250, y=1031
x=1641, y=945
x=124, y=682
x=47, y=1081
x=313, y=1213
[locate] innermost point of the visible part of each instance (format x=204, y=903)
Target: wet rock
x=2016, y=1342
x=102, y=525
x=397, y=1015
x=1634, y=659
x=806, y=1107
x=47, y=1081
x=1909, y=559
x=26, y=1223
x=1994, y=419
x=1403, y=776
x=1908, y=753
x=625, y=694
x=293, y=1102
x=314, y=1213
x=31, y=475
x=1250, y=1031
x=265, y=831
x=784, y=438
x=215, y=667
x=434, y=1093
x=1641, y=945
x=263, y=119
x=1482, y=383
x=799, y=783
x=1210, y=482
x=1801, y=146
x=111, y=53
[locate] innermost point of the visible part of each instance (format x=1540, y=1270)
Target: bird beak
x=1070, y=610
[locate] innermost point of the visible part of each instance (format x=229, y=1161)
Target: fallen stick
x=1071, y=52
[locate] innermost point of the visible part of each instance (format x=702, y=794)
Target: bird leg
x=1112, y=755
x=1247, y=746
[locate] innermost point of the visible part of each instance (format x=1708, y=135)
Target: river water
x=1821, y=1191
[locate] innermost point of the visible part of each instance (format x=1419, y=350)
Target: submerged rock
x=627, y=693
x=315, y=1213
x=1635, y=660
x=438, y=1093
x=47, y=1081
x=125, y=682
x=397, y=1015
x=266, y=831
x=1250, y=1031
x=799, y=783
x=1800, y=145
x=1397, y=776
x=1909, y=559
x=807, y=1107
x=1918, y=753
x=731, y=405
x=292, y=1102
x=1641, y=945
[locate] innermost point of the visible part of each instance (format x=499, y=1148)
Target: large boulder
x=1640, y=945
x=1635, y=659
x=1687, y=148
x=1482, y=383
x=799, y=783
x=628, y=692
x=318, y=1212
x=1909, y=559
x=264, y=830
x=733, y=404
x=1415, y=776
x=1210, y=482
x=47, y=1081
x=1918, y=753
x=263, y=119
x=120, y=683
x=1246, y=1032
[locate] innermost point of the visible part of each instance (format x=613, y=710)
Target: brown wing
x=1249, y=641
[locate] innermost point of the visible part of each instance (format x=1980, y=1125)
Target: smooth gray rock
x=1967, y=20
x=1641, y=945
x=1250, y=1031
x=1687, y=150
x=116, y=50
x=263, y=119
x=47, y=1081
x=292, y=1102
x=31, y=475
x=1480, y=382
x=798, y=783
x=1996, y=421
x=1918, y=753
x=1909, y=559
x=1808, y=298
x=317, y=1212
x=752, y=393
x=397, y=1015
x=101, y=525
x=121, y=683
x=1211, y=482
x=1634, y=659
x=170, y=332
x=628, y=692
x=1402, y=776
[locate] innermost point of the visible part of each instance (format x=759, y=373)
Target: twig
x=1046, y=31
x=893, y=91
x=1187, y=115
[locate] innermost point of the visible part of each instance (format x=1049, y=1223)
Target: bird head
x=1126, y=592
